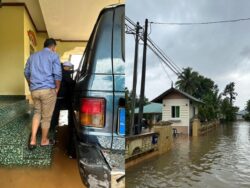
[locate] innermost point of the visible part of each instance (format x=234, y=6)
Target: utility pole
x=141, y=102
x=132, y=119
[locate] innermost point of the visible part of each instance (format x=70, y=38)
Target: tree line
x=217, y=105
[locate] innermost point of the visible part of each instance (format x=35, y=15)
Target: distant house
x=240, y=115
x=152, y=112
x=179, y=108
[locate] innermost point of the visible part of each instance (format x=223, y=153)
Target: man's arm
x=57, y=72
x=58, y=83
x=27, y=71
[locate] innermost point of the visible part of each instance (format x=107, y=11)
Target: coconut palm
x=230, y=91
x=188, y=81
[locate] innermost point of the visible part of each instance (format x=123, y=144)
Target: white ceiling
x=66, y=19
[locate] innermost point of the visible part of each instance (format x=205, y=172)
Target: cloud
x=219, y=51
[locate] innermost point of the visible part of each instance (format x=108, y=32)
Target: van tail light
x=92, y=112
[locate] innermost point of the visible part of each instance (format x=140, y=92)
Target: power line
x=164, y=61
x=165, y=56
x=201, y=23
x=166, y=72
x=129, y=20
x=156, y=50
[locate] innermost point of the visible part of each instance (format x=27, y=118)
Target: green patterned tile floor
x=62, y=173
x=15, y=126
x=8, y=100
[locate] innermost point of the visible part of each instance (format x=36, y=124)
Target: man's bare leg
x=35, y=126
x=45, y=132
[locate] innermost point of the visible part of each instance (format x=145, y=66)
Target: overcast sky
x=219, y=51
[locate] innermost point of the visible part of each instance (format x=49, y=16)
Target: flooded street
x=219, y=159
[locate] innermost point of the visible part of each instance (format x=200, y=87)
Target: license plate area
x=121, y=121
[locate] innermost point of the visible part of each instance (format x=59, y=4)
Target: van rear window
x=101, y=59
x=102, y=43
x=118, y=42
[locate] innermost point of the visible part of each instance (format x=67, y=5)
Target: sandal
x=51, y=143
x=31, y=146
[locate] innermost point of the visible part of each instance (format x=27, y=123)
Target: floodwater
x=220, y=159
x=62, y=174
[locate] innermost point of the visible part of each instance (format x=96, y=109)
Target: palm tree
x=204, y=86
x=188, y=81
x=211, y=109
x=229, y=90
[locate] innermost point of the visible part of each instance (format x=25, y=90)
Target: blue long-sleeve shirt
x=42, y=69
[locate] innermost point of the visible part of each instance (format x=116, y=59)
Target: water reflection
x=219, y=159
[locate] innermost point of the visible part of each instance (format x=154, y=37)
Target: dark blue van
x=98, y=112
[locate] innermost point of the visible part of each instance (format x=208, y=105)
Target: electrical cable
x=166, y=72
x=178, y=69
x=201, y=23
x=157, y=51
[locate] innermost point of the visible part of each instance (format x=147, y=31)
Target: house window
x=175, y=111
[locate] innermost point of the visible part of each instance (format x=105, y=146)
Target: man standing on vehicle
x=43, y=74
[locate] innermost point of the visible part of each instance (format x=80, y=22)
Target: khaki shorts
x=44, y=104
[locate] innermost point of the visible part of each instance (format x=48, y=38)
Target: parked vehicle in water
x=98, y=110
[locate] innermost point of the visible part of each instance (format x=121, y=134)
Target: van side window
x=101, y=58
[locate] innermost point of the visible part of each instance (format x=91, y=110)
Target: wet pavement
x=219, y=159
x=62, y=174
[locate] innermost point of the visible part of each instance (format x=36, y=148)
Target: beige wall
x=15, y=49
x=63, y=47
x=41, y=37
x=11, y=51
x=165, y=141
x=27, y=26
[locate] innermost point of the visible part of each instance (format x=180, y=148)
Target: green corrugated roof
x=151, y=108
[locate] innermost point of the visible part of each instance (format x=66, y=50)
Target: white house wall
x=184, y=111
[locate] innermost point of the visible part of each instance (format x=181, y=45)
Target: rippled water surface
x=217, y=160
